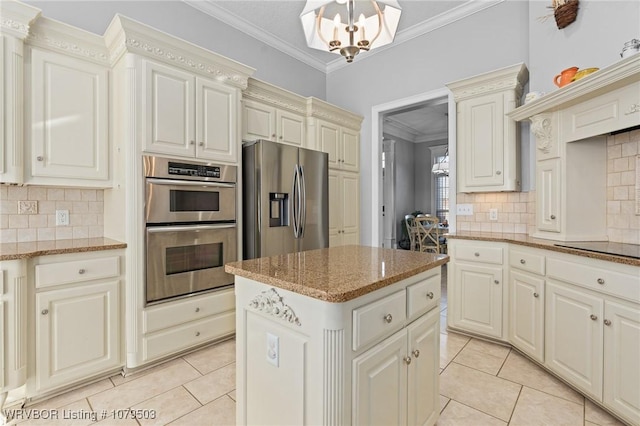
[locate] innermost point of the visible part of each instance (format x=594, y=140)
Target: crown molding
x=16, y=18
x=457, y=13
x=58, y=36
x=221, y=14
x=269, y=94
x=126, y=35
x=513, y=77
x=401, y=131
x=318, y=108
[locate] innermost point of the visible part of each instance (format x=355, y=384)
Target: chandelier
x=441, y=167
x=325, y=30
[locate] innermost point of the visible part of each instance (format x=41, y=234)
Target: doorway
x=414, y=137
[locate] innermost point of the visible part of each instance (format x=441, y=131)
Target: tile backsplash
x=516, y=212
x=85, y=206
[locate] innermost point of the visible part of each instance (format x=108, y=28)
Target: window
x=440, y=198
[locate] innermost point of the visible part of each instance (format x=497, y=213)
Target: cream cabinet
x=77, y=317
x=406, y=361
x=487, y=140
x=344, y=208
x=68, y=126
x=342, y=145
x=188, y=116
x=548, y=217
x=262, y=121
x=476, y=287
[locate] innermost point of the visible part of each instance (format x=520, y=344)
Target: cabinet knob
x=496, y=282
x=197, y=333
x=280, y=137
x=600, y=281
x=476, y=254
x=40, y=158
x=192, y=142
x=430, y=295
x=536, y=295
x=498, y=172
x=416, y=353
x=593, y=317
x=388, y=318
x=273, y=135
x=523, y=261
x=607, y=322
x=407, y=360
x=553, y=217
x=200, y=143
x=82, y=271
x=45, y=312
x=197, y=309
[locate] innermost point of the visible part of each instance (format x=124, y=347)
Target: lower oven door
x=182, y=260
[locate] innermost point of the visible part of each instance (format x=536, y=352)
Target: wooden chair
x=427, y=234
x=409, y=223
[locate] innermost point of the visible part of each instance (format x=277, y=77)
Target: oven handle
x=190, y=183
x=189, y=228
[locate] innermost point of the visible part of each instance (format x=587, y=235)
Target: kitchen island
x=344, y=335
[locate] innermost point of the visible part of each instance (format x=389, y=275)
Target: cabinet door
x=335, y=209
x=329, y=142
x=526, y=323
x=77, y=333
x=350, y=150
x=424, y=371
x=258, y=121
x=216, y=115
x=621, y=360
x=481, y=153
x=350, y=201
x=573, y=336
x=168, y=106
x=290, y=128
x=548, y=195
x=69, y=117
x=478, y=296
x=376, y=372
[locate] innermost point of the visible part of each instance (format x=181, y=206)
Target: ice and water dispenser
x=278, y=209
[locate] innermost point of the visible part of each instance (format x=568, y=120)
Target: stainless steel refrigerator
x=285, y=199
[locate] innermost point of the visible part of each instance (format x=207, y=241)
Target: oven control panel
x=184, y=169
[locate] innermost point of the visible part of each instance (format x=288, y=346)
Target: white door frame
x=376, y=155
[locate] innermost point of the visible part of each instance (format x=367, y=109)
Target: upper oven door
x=174, y=201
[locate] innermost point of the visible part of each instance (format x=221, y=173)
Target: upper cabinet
x=274, y=114
x=488, y=142
x=188, y=116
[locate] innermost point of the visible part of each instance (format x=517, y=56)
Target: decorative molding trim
x=542, y=128
x=320, y=109
x=14, y=26
x=270, y=302
x=16, y=18
x=509, y=78
x=333, y=377
x=68, y=47
x=268, y=94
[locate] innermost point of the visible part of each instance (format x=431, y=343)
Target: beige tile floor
x=481, y=383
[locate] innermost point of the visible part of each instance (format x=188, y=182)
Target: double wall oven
x=190, y=215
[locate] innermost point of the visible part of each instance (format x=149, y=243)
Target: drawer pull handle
x=600, y=281
x=498, y=172
x=593, y=317
x=416, y=353
x=607, y=322
x=197, y=333
x=522, y=261
x=430, y=295
x=407, y=360
x=476, y=254
x=82, y=271
x=633, y=108
x=40, y=158
x=536, y=295
x=553, y=217
x=45, y=311
x=197, y=309
x=496, y=282
x=201, y=143
x=388, y=318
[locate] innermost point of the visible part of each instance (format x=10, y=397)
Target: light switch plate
x=493, y=214
x=62, y=217
x=464, y=210
x=273, y=349
x=27, y=207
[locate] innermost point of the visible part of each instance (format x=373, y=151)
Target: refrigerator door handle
x=294, y=201
x=303, y=202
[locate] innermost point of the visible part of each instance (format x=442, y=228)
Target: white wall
x=491, y=39
x=405, y=203
x=181, y=20
x=422, y=176
x=595, y=39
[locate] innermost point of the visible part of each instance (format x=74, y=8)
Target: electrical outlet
x=464, y=210
x=27, y=207
x=273, y=349
x=62, y=217
x=493, y=214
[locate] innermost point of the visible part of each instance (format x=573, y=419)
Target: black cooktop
x=617, y=249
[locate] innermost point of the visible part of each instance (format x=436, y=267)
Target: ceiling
x=419, y=123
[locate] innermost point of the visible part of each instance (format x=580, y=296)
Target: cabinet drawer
x=378, y=319
x=182, y=337
x=478, y=253
x=175, y=313
x=77, y=271
x=423, y=296
x=603, y=280
x=527, y=261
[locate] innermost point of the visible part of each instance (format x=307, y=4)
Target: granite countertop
x=13, y=251
x=525, y=240
x=337, y=274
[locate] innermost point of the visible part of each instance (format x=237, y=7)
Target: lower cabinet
x=526, y=313
x=407, y=361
